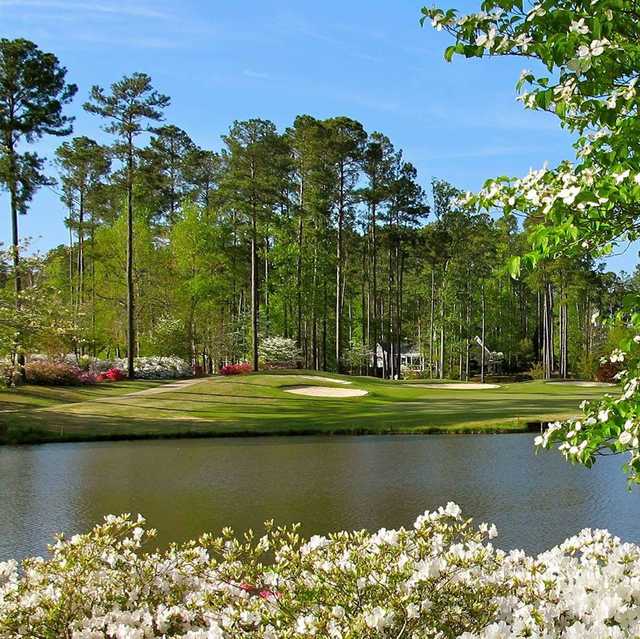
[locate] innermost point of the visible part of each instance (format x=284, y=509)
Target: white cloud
x=131, y=9
x=258, y=75
x=124, y=40
x=485, y=152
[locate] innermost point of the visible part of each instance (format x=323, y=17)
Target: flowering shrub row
x=62, y=374
x=100, y=369
x=441, y=579
x=236, y=369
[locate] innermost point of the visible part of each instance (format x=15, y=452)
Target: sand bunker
x=578, y=383
x=325, y=379
x=323, y=391
x=455, y=386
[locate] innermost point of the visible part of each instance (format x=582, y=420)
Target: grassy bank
x=259, y=405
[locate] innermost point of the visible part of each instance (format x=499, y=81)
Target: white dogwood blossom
x=579, y=26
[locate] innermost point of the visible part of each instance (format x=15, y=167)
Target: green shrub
x=357, y=357
x=536, y=371
x=587, y=366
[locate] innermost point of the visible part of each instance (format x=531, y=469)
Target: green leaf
x=513, y=266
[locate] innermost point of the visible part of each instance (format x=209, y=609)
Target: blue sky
x=227, y=60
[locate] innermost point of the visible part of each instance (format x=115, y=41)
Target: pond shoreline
x=32, y=437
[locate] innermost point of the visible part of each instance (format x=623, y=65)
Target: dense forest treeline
x=323, y=233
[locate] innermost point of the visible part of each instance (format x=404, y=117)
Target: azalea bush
x=87, y=378
x=236, y=369
x=440, y=579
x=162, y=367
x=112, y=375
x=54, y=374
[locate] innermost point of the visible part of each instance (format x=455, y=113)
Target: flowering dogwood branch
x=588, y=56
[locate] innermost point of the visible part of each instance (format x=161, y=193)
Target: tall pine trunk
x=254, y=288
x=547, y=331
x=483, y=334
x=374, y=276
x=131, y=329
x=399, y=286
x=325, y=319
x=314, y=312
x=431, y=320
x=299, y=265
x=15, y=242
x=442, y=318
x=564, y=340
x=339, y=258
x=267, y=311
x=93, y=286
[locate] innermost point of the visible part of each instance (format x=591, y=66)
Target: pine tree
x=33, y=92
x=84, y=164
x=128, y=109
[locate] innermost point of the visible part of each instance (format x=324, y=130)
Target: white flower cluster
x=162, y=367
x=608, y=425
x=279, y=351
x=149, y=367
x=442, y=579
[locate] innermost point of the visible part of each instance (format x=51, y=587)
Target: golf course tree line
x=587, y=61
x=321, y=234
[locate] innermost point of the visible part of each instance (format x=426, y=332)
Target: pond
x=185, y=487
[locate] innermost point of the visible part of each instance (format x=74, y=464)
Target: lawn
x=259, y=404
x=27, y=397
